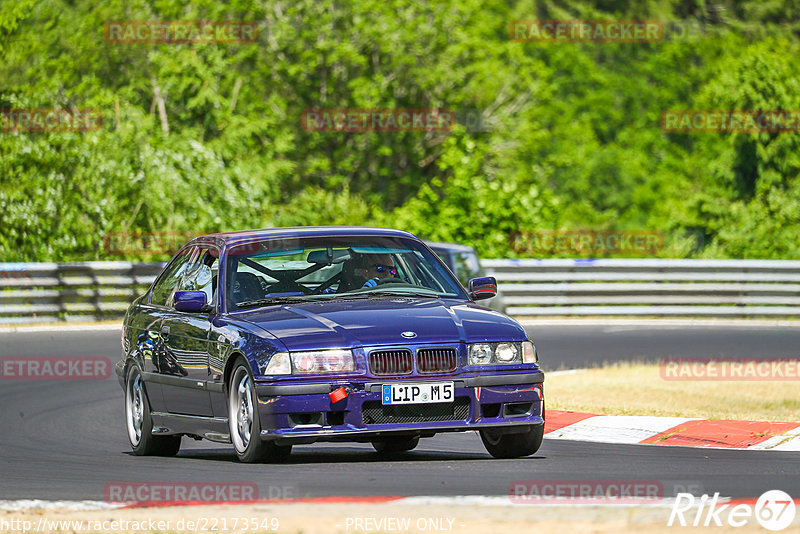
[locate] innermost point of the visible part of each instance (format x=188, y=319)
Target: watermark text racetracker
x=545, y=492
x=586, y=31
x=586, y=242
x=730, y=121
x=378, y=120
x=153, y=243
x=10, y=272
x=55, y=368
x=722, y=369
x=160, y=243
x=50, y=120
x=181, y=32
x=394, y=120
x=141, y=493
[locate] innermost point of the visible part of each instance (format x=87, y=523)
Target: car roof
x=452, y=247
x=247, y=236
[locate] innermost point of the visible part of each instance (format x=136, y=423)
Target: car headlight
x=480, y=354
x=497, y=353
x=323, y=361
x=506, y=353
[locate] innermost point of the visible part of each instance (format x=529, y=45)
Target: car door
x=145, y=327
x=184, y=362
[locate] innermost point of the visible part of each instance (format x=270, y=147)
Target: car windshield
x=322, y=268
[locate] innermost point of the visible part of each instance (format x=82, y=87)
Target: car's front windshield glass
x=322, y=268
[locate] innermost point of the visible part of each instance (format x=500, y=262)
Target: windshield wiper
x=341, y=296
x=400, y=293
x=281, y=300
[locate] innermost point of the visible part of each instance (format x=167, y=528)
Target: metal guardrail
x=45, y=292
x=648, y=287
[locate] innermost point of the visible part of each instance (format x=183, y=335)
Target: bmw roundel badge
x=408, y=334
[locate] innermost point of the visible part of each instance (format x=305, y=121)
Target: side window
x=467, y=266
x=201, y=275
x=172, y=276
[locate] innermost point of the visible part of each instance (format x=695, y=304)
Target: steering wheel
x=326, y=285
x=286, y=286
x=264, y=284
x=391, y=280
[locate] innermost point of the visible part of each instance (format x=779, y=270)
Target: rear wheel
x=244, y=423
x=139, y=423
x=392, y=445
x=502, y=445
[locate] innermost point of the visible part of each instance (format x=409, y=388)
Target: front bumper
x=305, y=413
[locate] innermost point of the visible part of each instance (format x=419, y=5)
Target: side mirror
x=483, y=288
x=190, y=301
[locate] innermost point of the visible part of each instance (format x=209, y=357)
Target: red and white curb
x=679, y=431
x=450, y=501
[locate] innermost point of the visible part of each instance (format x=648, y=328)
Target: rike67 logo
x=774, y=510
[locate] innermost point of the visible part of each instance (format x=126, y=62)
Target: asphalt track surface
x=65, y=440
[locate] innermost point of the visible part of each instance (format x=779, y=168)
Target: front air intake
x=391, y=362
x=437, y=360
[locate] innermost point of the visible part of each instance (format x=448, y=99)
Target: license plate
x=418, y=393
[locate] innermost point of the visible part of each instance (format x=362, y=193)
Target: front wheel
x=244, y=423
x=139, y=423
x=502, y=445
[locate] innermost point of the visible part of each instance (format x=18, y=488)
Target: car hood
x=381, y=321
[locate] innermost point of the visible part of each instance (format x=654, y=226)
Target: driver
x=374, y=267
x=364, y=270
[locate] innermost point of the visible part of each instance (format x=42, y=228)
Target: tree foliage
x=571, y=137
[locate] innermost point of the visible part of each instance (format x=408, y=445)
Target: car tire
x=394, y=445
x=139, y=423
x=503, y=445
x=244, y=423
